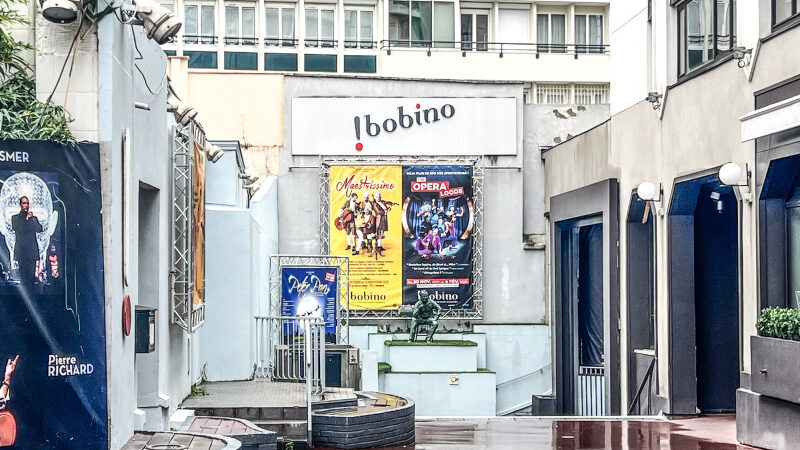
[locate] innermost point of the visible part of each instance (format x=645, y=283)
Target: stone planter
x=775, y=368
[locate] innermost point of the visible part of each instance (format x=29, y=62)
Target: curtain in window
x=481, y=31
x=231, y=24
x=513, y=27
x=326, y=34
x=249, y=25
x=398, y=22
x=783, y=10
x=190, y=23
x=559, y=32
x=287, y=26
x=350, y=28
x=421, y=23
x=366, y=29
x=580, y=30
x=312, y=21
x=207, y=23
x=466, y=32
x=542, y=32
x=444, y=29
x=699, y=40
x=724, y=25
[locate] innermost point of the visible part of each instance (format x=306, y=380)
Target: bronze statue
x=426, y=312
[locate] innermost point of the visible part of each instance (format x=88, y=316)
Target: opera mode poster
x=310, y=292
x=438, y=222
x=52, y=339
x=365, y=225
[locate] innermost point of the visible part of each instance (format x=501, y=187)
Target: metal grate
x=591, y=94
x=477, y=247
x=591, y=391
x=555, y=94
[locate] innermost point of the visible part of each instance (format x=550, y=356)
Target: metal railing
x=291, y=349
x=496, y=47
x=209, y=39
x=637, y=399
x=591, y=391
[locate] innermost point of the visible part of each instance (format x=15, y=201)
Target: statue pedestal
x=436, y=356
x=442, y=377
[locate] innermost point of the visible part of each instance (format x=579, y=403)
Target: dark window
x=280, y=61
x=320, y=63
x=705, y=32
x=782, y=10
x=359, y=63
x=201, y=60
x=241, y=61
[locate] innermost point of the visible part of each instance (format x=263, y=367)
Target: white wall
x=629, y=53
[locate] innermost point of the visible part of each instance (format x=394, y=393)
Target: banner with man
x=52, y=342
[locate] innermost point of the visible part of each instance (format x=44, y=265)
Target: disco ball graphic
x=26, y=184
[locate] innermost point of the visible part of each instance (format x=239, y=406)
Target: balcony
x=507, y=61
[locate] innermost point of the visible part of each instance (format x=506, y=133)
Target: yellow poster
x=199, y=226
x=365, y=225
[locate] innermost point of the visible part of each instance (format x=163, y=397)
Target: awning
x=771, y=119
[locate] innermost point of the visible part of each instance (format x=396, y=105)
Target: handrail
x=537, y=371
x=637, y=398
x=501, y=47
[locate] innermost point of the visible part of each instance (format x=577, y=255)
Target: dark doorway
x=704, y=297
x=581, y=333
x=640, y=251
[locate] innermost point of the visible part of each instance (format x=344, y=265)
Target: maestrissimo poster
x=52, y=339
x=365, y=225
x=405, y=228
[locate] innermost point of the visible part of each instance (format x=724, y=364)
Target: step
x=286, y=429
x=436, y=356
x=258, y=413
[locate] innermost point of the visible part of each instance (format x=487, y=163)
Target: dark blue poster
x=310, y=292
x=52, y=340
x=438, y=223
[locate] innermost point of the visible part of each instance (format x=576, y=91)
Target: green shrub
x=781, y=323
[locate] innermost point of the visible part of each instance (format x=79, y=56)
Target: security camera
x=184, y=114
x=160, y=24
x=213, y=153
x=61, y=11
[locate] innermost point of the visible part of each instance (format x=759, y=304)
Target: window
x=280, y=26
x=199, y=23
x=169, y=6
x=783, y=10
x=474, y=30
x=320, y=27
x=358, y=26
x=240, y=24
x=589, y=33
x=551, y=33
x=705, y=31
x=421, y=23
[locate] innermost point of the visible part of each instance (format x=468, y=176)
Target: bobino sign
x=52, y=339
x=396, y=126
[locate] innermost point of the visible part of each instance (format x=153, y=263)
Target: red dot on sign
x=417, y=105
x=359, y=146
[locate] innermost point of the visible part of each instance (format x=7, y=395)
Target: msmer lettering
x=373, y=127
x=20, y=157
x=67, y=366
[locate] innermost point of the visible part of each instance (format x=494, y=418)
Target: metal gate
x=591, y=391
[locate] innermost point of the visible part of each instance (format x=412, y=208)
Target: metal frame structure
x=342, y=265
x=184, y=313
x=474, y=313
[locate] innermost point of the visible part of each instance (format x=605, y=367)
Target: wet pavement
x=716, y=432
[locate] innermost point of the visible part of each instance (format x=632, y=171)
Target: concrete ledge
x=766, y=422
x=347, y=429
x=446, y=393
x=436, y=356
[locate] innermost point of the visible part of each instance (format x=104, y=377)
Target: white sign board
x=392, y=126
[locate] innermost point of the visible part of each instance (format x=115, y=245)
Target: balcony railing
x=324, y=43
x=496, y=47
x=236, y=40
x=199, y=39
x=349, y=43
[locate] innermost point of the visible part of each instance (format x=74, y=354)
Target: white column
x=533, y=33
x=339, y=34
x=261, y=32
x=220, y=31
x=301, y=34
x=494, y=35
x=570, y=28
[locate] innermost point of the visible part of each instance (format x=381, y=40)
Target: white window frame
x=201, y=39
x=456, y=17
x=586, y=47
x=319, y=41
x=361, y=42
x=473, y=44
x=241, y=40
x=549, y=46
x=280, y=41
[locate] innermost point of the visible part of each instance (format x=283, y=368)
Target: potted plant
x=775, y=354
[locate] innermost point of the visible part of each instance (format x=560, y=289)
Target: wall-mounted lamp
x=739, y=54
x=731, y=175
x=655, y=99
x=647, y=192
